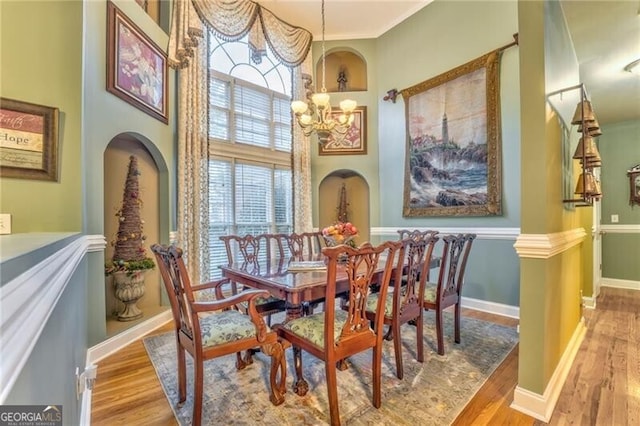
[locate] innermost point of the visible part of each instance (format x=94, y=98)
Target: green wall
x=40, y=53
x=550, y=287
x=434, y=46
x=619, y=148
x=59, y=63
x=105, y=117
x=365, y=165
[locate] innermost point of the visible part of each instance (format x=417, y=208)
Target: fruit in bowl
x=340, y=233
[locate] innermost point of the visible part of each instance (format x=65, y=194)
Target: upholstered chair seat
x=226, y=327
x=372, y=303
x=311, y=327
x=430, y=292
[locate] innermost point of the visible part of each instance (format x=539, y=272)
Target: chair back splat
x=252, y=253
x=336, y=334
x=416, y=233
x=304, y=246
x=225, y=332
x=447, y=291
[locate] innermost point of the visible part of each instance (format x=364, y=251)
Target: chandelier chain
x=324, y=89
x=315, y=114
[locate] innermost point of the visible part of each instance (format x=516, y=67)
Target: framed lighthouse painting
x=452, y=157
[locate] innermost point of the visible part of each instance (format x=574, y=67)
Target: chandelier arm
x=317, y=116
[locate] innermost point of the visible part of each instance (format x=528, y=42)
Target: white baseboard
x=119, y=341
x=589, y=302
x=85, y=410
x=491, y=307
x=612, y=282
x=541, y=406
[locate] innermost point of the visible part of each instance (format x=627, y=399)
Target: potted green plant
x=130, y=261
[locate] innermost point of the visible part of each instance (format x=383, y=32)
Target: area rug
x=431, y=393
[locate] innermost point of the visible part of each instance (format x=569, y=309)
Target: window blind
x=250, y=141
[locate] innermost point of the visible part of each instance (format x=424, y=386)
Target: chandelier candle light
x=314, y=116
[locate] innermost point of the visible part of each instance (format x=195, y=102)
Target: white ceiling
x=606, y=37
x=345, y=19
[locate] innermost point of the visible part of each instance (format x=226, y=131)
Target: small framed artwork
x=28, y=140
x=354, y=141
x=136, y=67
x=634, y=185
x=144, y=4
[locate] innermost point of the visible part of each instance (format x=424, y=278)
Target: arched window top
x=234, y=58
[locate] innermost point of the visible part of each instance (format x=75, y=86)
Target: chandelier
x=314, y=115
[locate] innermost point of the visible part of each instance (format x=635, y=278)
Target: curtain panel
x=193, y=176
x=229, y=20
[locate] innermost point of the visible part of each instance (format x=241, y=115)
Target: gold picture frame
x=634, y=185
x=28, y=140
x=136, y=66
x=355, y=141
x=452, y=158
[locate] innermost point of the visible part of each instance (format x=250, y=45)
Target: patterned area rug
x=431, y=393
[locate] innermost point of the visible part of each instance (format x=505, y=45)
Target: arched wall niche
x=154, y=190
x=357, y=195
x=345, y=60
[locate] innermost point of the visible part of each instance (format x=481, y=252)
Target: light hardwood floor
x=602, y=388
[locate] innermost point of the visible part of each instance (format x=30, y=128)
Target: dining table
x=297, y=282
x=294, y=281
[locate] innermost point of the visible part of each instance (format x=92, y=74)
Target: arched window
x=250, y=186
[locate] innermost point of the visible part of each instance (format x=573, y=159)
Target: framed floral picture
x=136, y=67
x=354, y=141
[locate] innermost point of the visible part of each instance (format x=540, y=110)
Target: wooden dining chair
x=252, y=253
x=335, y=334
x=415, y=233
x=447, y=290
x=212, y=329
x=403, y=304
x=303, y=246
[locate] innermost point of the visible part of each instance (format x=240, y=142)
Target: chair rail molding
x=482, y=233
x=544, y=246
x=620, y=229
x=27, y=301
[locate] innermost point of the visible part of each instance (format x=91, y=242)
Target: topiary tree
x=130, y=254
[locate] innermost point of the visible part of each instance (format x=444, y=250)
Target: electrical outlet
x=86, y=379
x=614, y=218
x=5, y=223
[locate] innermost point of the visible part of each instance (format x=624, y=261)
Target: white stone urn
x=129, y=288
